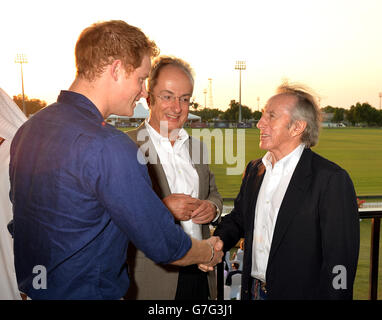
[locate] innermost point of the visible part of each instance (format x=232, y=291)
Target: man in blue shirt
x=78, y=191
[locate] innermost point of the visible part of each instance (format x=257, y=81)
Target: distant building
x=327, y=121
x=327, y=117
x=332, y=125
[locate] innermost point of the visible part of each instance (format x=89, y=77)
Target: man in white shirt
x=180, y=178
x=296, y=210
x=11, y=118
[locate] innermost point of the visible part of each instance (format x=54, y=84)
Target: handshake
x=216, y=246
x=205, y=253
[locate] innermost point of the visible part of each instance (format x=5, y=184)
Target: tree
x=350, y=115
x=194, y=105
x=208, y=114
x=339, y=114
x=328, y=109
x=232, y=113
x=364, y=113
x=256, y=115
x=380, y=118
x=31, y=105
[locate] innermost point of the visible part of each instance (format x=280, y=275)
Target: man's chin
x=262, y=146
x=172, y=126
x=129, y=112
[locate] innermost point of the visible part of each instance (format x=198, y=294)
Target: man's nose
x=175, y=105
x=260, y=123
x=144, y=93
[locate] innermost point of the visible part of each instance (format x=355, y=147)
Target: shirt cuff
x=217, y=211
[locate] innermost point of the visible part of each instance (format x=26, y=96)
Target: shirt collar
x=182, y=135
x=79, y=100
x=288, y=163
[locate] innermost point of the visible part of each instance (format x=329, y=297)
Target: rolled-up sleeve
x=124, y=188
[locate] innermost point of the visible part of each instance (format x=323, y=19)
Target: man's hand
x=205, y=213
x=181, y=205
x=207, y=253
x=217, y=246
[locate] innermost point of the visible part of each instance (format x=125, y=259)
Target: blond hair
x=103, y=42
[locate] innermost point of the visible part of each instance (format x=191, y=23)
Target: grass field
x=361, y=286
x=357, y=150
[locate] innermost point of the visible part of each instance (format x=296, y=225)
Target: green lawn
x=361, y=286
x=357, y=150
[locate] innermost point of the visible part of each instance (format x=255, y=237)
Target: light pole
x=21, y=58
x=380, y=97
x=240, y=65
x=205, y=98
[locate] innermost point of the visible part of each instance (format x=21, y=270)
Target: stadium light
x=240, y=65
x=21, y=58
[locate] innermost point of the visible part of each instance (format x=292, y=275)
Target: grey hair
x=306, y=108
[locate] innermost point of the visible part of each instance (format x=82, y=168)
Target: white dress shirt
x=11, y=118
x=271, y=195
x=180, y=172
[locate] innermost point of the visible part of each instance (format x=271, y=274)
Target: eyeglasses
x=168, y=98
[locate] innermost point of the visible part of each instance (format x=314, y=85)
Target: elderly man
x=79, y=194
x=180, y=178
x=296, y=210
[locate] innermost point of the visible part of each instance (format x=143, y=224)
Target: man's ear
x=116, y=69
x=150, y=100
x=298, y=127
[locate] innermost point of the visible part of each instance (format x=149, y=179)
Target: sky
x=332, y=46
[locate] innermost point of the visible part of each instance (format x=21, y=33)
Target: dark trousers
x=192, y=284
x=259, y=291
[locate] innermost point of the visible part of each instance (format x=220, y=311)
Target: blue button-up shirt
x=79, y=196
